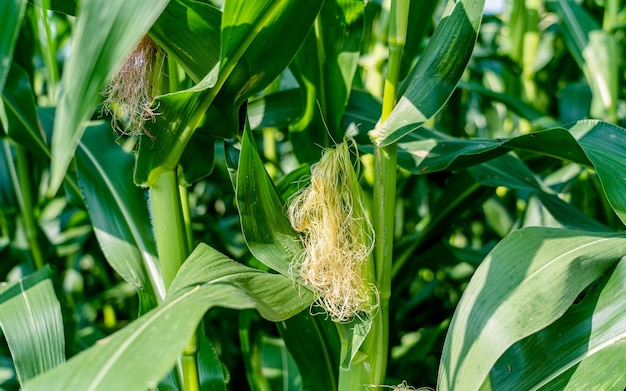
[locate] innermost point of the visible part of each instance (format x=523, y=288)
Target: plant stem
x=173, y=247
x=385, y=163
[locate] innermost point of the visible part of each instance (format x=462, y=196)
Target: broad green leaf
x=585, y=349
x=265, y=225
x=140, y=354
x=313, y=341
x=246, y=68
x=19, y=105
x=31, y=321
x=532, y=265
x=437, y=72
x=190, y=32
x=104, y=35
x=117, y=209
x=247, y=30
x=11, y=14
x=596, y=52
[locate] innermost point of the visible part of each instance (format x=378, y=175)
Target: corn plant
x=312, y=195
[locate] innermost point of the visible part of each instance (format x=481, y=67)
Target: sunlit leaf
x=532, y=265
x=104, y=35
x=149, y=348
x=585, y=349
x=437, y=72
x=31, y=321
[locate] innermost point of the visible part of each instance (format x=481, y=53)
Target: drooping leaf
x=437, y=72
x=117, y=209
x=532, y=265
x=11, y=14
x=140, y=354
x=104, y=35
x=31, y=321
x=585, y=349
x=265, y=225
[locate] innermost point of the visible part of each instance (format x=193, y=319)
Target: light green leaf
x=143, y=352
x=104, y=35
x=11, y=14
x=31, y=321
x=265, y=225
x=117, y=209
x=583, y=350
x=437, y=72
x=532, y=265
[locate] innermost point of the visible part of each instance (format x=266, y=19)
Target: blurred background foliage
x=532, y=68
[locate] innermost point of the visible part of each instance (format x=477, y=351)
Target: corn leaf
x=189, y=31
x=265, y=225
x=246, y=67
x=142, y=353
x=117, y=209
x=585, y=349
x=540, y=265
x=11, y=14
x=437, y=72
x=104, y=35
x=31, y=321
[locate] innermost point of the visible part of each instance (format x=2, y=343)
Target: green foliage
x=491, y=159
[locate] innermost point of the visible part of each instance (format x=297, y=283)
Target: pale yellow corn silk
x=336, y=236
x=128, y=94
x=402, y=387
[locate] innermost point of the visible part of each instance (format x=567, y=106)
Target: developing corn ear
x=337, y=238
x=128, y=95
